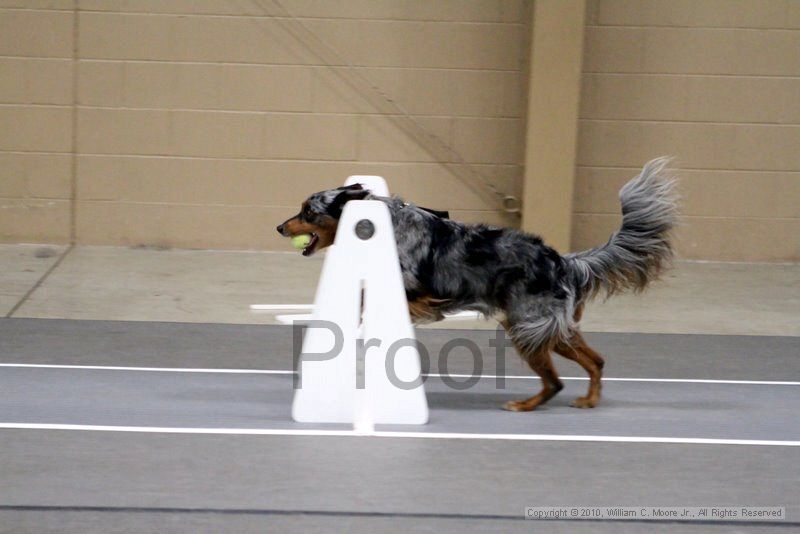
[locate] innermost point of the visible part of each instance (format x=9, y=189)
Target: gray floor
x=166, y=522
x=152, y=344
x=83, y=481
x=207, y=400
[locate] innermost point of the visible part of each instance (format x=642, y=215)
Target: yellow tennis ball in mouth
x=301, y=241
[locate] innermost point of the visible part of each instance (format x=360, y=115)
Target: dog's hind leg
x=579, y=351
x=551, y=384
x=539, y=360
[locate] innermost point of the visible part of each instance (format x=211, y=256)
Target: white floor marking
x=667, y=380
x=396, y=434
x=151, y=369
x=432, y=375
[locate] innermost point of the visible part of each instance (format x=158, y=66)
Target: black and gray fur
x=506, y=271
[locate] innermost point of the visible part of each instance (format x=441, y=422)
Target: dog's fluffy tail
x=641, y=249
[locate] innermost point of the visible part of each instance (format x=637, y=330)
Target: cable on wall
x=387, y=106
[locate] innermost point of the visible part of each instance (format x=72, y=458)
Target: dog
x=537, y=294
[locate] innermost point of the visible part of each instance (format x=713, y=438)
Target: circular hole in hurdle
x=365, y=229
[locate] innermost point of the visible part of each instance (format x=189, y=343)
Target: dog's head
x=319, y=216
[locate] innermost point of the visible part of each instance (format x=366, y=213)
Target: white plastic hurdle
x=376, y=184
x=295, y=318
x=375, y=376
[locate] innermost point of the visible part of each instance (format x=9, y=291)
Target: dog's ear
x=348, y=193
x=352, y=187
x=438, y=213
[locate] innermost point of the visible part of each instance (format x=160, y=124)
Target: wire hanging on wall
x=440, y=150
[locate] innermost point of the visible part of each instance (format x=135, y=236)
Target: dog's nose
x=280, y=229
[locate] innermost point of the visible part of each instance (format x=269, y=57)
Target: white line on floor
x=433, y=375
x=396, y=434
x=667, y=380
x=152, y=369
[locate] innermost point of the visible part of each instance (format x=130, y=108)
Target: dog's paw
x=584, y=402
x=518, y=406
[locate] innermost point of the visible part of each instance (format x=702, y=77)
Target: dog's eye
x=306, y=213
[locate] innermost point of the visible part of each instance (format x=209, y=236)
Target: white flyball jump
x=376, y=184
x=372, y=373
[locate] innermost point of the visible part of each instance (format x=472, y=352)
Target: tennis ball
x=301, y=241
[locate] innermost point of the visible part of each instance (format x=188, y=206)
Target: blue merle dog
x=537, y=294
